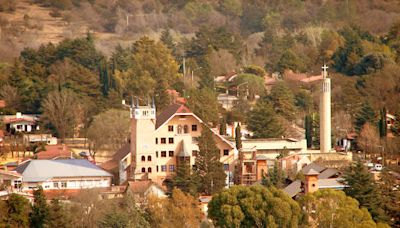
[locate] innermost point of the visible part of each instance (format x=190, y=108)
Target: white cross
x=325, y=67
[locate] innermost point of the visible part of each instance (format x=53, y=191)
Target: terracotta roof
x=140, y=187
x=118, y=156
x=54, y=151
x=169, y=111
x=312, y=79
x=2, y=103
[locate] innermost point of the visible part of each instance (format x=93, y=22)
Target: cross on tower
x=325, y=72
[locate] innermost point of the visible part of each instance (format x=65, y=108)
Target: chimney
x=18, y=115
x=311, y=181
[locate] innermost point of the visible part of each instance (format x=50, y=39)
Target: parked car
x=378, y=167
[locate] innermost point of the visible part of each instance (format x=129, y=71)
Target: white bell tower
x=325, y=113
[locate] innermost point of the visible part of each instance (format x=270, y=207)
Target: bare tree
x=10, y=95
x=109, y=129
x=369, y=139
x=63, y=110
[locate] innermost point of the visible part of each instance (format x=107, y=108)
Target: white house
x=21, y=122
x=63, y=174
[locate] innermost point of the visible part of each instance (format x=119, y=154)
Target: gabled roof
x=313, y=166
x=168, y=112
x=328, y=173
x=42, y=170
x=311, y=172
x=10, y=173
x=293, y=189
x=141, y=187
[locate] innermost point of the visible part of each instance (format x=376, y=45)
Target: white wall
x=71, y=183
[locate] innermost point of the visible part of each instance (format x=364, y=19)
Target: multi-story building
x=157, y=143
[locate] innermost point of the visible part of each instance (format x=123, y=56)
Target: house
x=143, y=189
x=158, y=143
x=62, y=174
x=21, y=122
x=227, y=101
x=39, y=138
x=315, y=177
x=119, y=165
x=10, y=181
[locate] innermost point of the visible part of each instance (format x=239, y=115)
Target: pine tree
x=18, y=211
x=382, y=123
x=238, y=137
x=222, y=127
x=390, y=197
x=364, y=115
x=40, y=210
x=209, y=170
x=262, y=121
x=58, y=215
x=309, y=130
x=282, y=100
x=184, y=180
x=275, y=177
x=363, y=188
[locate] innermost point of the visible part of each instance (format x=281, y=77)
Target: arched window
x=179, y=129
x=149, y=158
x=143, y=158
x=185, y=129
x=143, y=170
x=149, y=170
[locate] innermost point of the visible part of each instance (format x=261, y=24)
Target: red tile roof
x=169, y=111
x=54, y=151
x=16, y=120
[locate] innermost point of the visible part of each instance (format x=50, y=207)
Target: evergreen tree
x=309, y=130
x=364, y=115
x=58, y=215
x=40, y=209
x=168, y=41
x=275, y=177
x=390, y=197
x=18, y=211
x=238, y=137
x=184, y=180
x=262, y=122
x=315, y=130
x=209, y=170
x=382, y=123
x=282, y=100
x=104, y=75
x=363, y=188
x=222, y=127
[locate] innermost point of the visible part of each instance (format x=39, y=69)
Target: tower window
x=143, y=170
x=149, y=170
x=156, y=154
x=170, y=128
x=156, y=140
x=226, y=152
x=143, y=158
x=171, y=153
x=157, y=168
x=163, y=140
x=185, y=129
x=149, y=158
x=171, y=140
x=194, y=127
x=163, y=154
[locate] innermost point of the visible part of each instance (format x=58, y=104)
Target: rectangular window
x=55, y=184
x=226, y=152
x=163, y=154
x=171, y=168
x=156, y=154
x=63, y=184
x=171, y=140
x=156, y=140
x=195, y=140
x=157, y=168
x=226, y=167
x=194, y=153
x=171, y=153
x=163, y=168
x=194, y=127
x=163, y=140
x=170, y=128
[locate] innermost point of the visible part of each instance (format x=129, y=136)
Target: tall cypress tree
x=308, y=122
x=222, y=127
x=238, y=137
x=40, y=209
x=209, y=170
x=382, y=123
